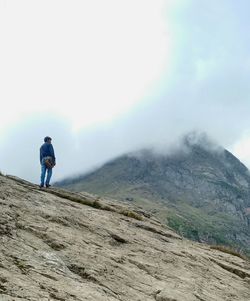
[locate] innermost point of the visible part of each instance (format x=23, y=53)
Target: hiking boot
x=47, y=185
x=41, y=186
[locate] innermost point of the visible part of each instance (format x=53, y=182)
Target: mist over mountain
x=198, y=188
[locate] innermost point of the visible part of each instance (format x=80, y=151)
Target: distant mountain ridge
x=202, y=191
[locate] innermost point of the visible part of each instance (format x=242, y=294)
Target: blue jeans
x=45, y=169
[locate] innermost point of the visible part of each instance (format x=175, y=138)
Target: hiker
x=47, y=160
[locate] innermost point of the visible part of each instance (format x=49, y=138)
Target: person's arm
x=52, y=153
x=41, y=155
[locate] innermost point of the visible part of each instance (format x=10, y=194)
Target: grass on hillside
x=229, y=250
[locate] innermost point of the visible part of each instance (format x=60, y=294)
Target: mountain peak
x=201, y=190
x=200, y=140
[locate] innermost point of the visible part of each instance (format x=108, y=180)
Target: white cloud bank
x=87, y=60
x=178, y=68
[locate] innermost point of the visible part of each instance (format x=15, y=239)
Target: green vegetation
x=228, y=250
x=131, y=214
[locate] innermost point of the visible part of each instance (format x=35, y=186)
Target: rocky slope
x=57, y=245
x=201, y=190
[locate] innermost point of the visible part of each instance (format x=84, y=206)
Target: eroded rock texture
x=61, y=246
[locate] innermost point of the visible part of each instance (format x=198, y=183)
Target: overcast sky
x=104, y=77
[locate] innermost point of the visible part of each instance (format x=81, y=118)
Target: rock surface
x=57, y=245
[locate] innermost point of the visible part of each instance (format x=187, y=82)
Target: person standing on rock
x=47, y=160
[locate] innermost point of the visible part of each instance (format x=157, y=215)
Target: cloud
x=205, y=88
x=86, y=60
x=208, y=88
x=241, y=148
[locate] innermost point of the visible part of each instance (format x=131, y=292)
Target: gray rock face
x=206, y=187
x=57, y=245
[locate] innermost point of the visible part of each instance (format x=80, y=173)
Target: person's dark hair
x=47, y=138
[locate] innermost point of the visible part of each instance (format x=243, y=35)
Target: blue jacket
x=47, y=150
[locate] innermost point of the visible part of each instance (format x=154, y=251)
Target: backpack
x=49, y=162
